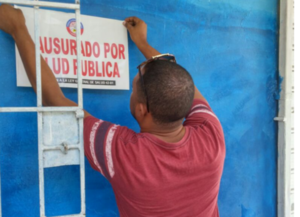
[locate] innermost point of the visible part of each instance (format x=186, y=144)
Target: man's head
x=170, y=93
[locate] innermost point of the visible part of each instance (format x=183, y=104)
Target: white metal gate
x=57, y=146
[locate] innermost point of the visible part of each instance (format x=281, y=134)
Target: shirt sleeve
x=200, y=114
x=98, y=139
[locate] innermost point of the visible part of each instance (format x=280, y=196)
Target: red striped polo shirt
x=154, y=178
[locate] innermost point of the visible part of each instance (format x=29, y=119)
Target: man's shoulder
x=208, y=141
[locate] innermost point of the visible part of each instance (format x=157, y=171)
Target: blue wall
x=229, y=47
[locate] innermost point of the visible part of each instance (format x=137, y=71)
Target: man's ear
x=141, y=111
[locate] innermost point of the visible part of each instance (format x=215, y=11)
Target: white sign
x=104, y=50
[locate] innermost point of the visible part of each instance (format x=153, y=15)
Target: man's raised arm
x=138, y=32
x=12, y=22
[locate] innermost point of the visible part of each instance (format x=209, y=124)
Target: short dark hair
x=170, y=90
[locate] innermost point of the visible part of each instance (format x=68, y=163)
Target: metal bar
x=79, y=75
x=82, y=167
x=37, y=57
x=42, y=4
x=285, y=200
x=39, y=109
x=80, y=105
x=41, y=164
x=39, y=105
x=51, y=148
x=280, y=119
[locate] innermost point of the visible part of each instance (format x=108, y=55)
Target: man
x=174, y=165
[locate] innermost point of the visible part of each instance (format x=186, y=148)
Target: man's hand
x=11, y=19
x=137, y=29
x=138, y=32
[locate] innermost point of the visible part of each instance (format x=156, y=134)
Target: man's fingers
x=131, y=22
x=137, y=29
x=6, y=7
x=128, y=25
x=132, y=19
x=10, y=18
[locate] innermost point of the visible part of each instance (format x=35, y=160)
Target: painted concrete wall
x=229, y=47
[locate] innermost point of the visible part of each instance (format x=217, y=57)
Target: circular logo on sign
x=71, y=27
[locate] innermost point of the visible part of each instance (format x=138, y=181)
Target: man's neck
x=167, y=134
